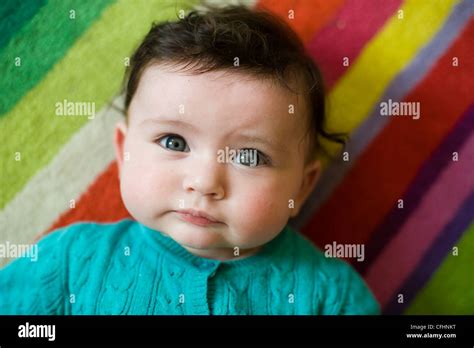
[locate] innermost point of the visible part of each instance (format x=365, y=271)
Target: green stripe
x=14, y=14
x=450, y=290
x=91, y=71
x=41, y=43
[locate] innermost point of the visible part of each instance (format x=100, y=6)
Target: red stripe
x=100, y=203
x=309, y=16
x=391, y=162
x=347, y=33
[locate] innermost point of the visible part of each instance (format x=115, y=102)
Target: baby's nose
x=206, y=177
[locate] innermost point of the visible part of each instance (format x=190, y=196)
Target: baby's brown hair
x=215, y=38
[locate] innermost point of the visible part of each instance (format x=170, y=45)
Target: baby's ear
x=119, y=141
x=311, y=174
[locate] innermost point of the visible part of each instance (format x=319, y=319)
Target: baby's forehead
x=230, y=94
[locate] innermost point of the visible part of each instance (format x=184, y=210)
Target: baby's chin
x=213, y=246
x=223, y=254
x=206, y=242
x=212, y=241
x=198, y=238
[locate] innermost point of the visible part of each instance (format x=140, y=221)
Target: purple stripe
x=374, y=124
x=427, y=175
x=433, y=259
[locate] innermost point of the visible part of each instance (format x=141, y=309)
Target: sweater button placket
x=210, y=269
x=211, y=272
x=205, y=271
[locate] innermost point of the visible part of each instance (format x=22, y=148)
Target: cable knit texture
x=127, y=268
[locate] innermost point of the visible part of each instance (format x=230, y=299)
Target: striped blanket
x=400, y=81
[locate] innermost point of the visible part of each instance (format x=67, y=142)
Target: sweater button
x=203, y=266
x=206, y=266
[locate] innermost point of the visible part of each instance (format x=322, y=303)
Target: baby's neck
x=223, y=254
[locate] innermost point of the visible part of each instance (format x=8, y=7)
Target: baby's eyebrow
x=263, y=141
x=246, y=137
x=169, y=122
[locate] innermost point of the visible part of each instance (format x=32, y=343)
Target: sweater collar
x=183, y=257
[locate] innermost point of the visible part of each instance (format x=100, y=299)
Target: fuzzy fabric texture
x=403, y=187
x=127, y=268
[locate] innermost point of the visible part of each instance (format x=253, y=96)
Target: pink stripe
x=401, y=256
x=347, y=34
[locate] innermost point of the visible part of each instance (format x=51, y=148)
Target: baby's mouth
x=197, y=217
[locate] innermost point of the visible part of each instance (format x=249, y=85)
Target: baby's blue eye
x=251, y=158
x=174, y=143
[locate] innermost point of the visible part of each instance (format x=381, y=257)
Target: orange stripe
x=100, y=203
x=309, y=16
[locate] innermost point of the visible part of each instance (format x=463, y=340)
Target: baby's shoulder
x=86, y=233
x=338, y=286
x=310, y=259
x=82, y=240
x=306, y=253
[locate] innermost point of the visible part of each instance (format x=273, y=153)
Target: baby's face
x=176, y=154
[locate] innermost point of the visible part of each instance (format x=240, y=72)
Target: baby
x=224, y=112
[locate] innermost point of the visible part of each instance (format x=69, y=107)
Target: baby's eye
x=174, y=143
x=251, y=158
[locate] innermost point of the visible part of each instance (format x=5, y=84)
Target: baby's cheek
x=259, y=203
x=262, y=213
x=131, y=189
x=143, y=188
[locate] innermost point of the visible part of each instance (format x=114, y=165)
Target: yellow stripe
x=397, y=44
x=91, y=71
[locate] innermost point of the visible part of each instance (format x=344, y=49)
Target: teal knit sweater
x=127, y=268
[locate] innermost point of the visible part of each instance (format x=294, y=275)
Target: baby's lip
x=198, y=213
